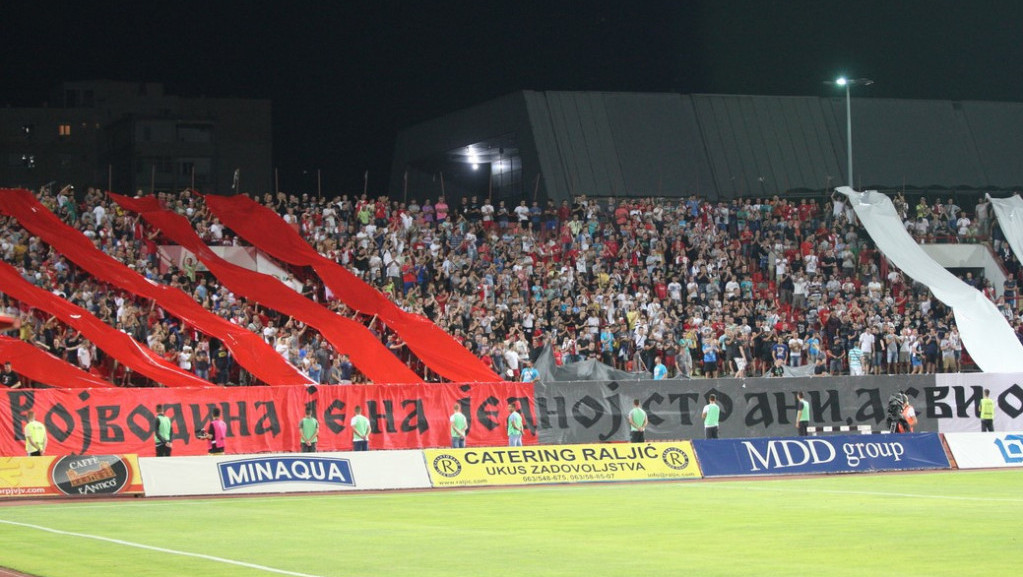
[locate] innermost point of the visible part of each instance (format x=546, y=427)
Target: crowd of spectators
x=699, y=288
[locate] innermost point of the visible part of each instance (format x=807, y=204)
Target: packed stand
x=676, y=288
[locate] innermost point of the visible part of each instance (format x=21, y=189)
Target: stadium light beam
x=846, y=83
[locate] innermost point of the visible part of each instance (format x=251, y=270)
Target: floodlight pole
x=848, y=132
x=847, y=83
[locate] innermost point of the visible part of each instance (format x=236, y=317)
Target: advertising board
x=986, y=450
x=561, y=464
x=74, y=475
x=837, y=454
x=283, y=473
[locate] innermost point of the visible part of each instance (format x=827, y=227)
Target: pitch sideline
x=160, y=549
x=879, y=494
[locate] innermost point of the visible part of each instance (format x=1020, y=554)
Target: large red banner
x=262, y=419
x=248, y=348
x=267, y=231
x=367, y=353
x=38, y=365
x=112, y=341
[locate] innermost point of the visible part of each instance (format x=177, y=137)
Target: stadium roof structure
x=555, y=145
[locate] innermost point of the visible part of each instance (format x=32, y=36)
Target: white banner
x=1009, y=212
x=985, y=333
x=956, y=401
x=283, y=473
x=986, y=450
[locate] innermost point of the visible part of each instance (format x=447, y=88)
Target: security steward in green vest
x=309, y=428
x=711, y=417
x=802, y=415
x=637, y=423
x=987, y=413
x=162, y=426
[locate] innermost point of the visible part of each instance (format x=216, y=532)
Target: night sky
x=346, y=76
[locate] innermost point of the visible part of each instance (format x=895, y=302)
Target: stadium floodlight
x=847, y=83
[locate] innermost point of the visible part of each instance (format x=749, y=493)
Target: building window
x=64, y=130
x=163, y=165
x=200, y=166
x=195, y=133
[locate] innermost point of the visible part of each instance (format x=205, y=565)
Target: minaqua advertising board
x=73, y=475
x=561, y=464
x=284, y=473
x=811, y=455
x=985, y=450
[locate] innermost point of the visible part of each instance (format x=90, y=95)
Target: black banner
x=595, y=412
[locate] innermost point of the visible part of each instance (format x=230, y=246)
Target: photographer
x=215, y=433
x=895, y=408
x=908, y=414
x=901, y=414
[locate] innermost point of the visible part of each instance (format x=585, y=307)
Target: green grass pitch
x=932, y=524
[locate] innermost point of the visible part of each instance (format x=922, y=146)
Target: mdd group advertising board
x=561, y=464
x=75, y=475
x=815, y=455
